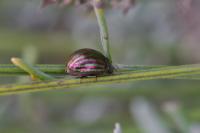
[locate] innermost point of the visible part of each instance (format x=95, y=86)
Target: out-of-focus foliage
x=125, y=5
x=152, y=32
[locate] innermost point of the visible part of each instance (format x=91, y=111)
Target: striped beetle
x=88, y=62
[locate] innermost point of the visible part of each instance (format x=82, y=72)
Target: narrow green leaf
x=33, y=72
x=99, y=11
x=157, y=73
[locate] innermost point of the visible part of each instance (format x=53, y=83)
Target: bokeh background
x=152, y=32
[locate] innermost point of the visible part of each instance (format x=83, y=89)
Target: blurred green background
x=153, y=32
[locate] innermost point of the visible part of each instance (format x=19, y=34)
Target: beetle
x=88, y=62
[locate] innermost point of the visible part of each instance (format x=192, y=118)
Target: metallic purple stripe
x=72, y=62
x=91, y=70
x=88, y=68
x=84, y=62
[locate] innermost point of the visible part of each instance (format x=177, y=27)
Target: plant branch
x=99, y=11
x=9, y=69
x=157, y=73
x=58, y=69
x=34, y=72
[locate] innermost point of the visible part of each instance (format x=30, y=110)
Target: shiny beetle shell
x=88, y=62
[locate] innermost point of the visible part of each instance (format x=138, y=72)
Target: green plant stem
x=99, y=11
x=34, y=72
x=58, y=69
x=172, y=72
x=29, y=55
x=10, y=69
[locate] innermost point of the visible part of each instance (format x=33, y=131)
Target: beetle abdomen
x=87, y=62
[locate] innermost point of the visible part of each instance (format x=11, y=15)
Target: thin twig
x=33, y=72
x=99, y=11
x=172, y=72
x=10, y=69
x=58, y=69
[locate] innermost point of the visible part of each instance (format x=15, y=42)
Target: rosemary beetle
x=88, y=62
